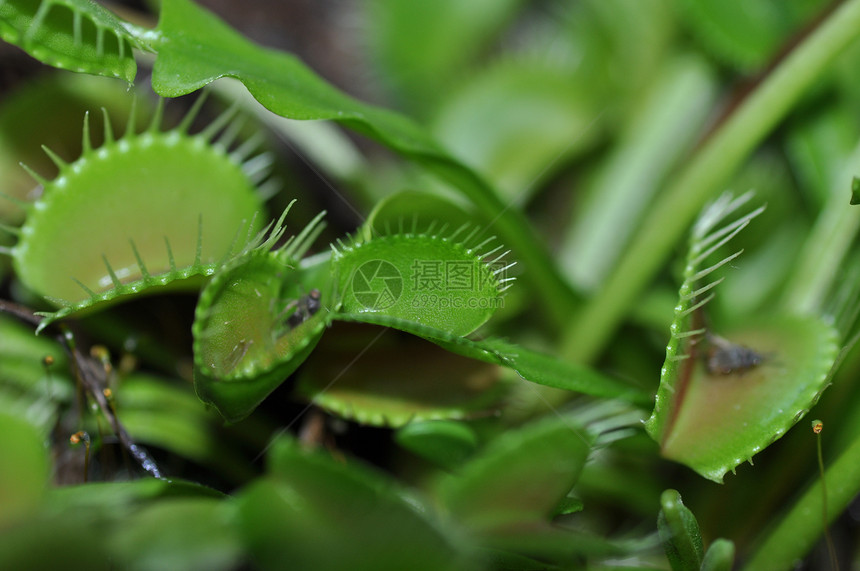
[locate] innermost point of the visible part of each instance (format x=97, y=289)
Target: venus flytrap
x=721, y=402
x=101, y=225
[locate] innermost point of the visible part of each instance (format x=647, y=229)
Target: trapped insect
x=303, y=308
x=725, y=358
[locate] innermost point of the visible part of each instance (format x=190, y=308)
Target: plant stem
x=718, y=158
x=795, y=535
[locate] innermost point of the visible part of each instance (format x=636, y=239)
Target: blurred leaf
x=180, y=534
x=672, y=112
x=520, y=478
x=444, y=442
x=314, y=513
x=485, y=123
x=69, y=542
x=747, y=34
x=419, y=46
x=24, y=470
x=720, y=556
x=680, y=533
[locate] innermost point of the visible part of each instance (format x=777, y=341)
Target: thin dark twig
x=93, y=377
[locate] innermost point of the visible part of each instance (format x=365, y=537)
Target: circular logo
x=377, y=285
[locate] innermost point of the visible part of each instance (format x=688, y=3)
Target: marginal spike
x=258, y=167
x=302, y=236
x=14, y=230
x=77, y=35
x=431, y=227
x=55, y=158
x=499, y=257
x=198, y=255
x=269, y=188
x=504, y=268
x=38, y=20
x=143, y=271
x=231, y=132
x=189, y=118
x=108, y=136
x=491, y=252
x=484, y=243
x=414, y=223
x=465, y=241
x=699, y=275
x=689, y=333
x=157, y=117
x=697, y=305
x=121, y=45
x=388, y=227
x=100, y=41
x=220, y=122
x=113, y=277
x=171, y=260
x=457, y=232
x=6, y=251
x=248, y=147
x=703, y=289
x=86, y=143
x=727, y=233
x=90, y=292
x=19, y=201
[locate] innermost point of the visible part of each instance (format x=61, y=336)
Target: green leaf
x=485, y=123
x=195, y=48
x=531, y=365
x=520, y=478
x=23, y=471
x=680, y=533
x=444, y=442
x=450, y=34
x=720, y=556
x=178, y=533
x=315, y=513
x=747, y=34
x=77, y=35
